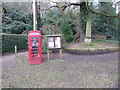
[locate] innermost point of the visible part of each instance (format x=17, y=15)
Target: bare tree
x=83, y=6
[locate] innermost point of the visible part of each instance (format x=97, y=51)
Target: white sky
x=58, y=0
x=54, y=0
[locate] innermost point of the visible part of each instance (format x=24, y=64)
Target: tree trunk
x=0, y=14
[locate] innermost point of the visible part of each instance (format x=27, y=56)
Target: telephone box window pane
x=35, y=52
x=34, y=46
x=34, y=37
x=35, y=56
x=35, y=59
x=34, y=49
x=34, y=40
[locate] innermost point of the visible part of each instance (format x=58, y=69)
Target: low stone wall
x=90, y=52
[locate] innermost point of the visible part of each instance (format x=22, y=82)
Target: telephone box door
x=34, y=47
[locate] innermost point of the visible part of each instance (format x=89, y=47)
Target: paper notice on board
x=57, y=42
x=51, y=44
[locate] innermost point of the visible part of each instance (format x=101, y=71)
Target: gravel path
x=74, y=71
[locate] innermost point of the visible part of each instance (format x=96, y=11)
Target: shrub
x=44, y=46
x=66, y=30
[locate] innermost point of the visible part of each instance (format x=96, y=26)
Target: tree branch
x=70, y=4
x=78, y=4
x=95, y=12
x=62, y=7
x=49, y=8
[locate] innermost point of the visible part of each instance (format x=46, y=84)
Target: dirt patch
x=74, y=71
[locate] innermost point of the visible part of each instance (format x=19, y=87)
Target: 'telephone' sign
x=34, y=33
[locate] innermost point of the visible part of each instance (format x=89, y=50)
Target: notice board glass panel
x=57, y=42
x=50, y=42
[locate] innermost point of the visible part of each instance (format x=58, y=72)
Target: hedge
x=10, y=40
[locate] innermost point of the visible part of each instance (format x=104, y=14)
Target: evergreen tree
x=16, y=21
x=106, y=25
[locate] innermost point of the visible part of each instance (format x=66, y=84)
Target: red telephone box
x=34, y=47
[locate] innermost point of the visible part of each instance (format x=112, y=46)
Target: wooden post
x=48, y=54
x=60, y=53
x=15, y=50
x=34, y=15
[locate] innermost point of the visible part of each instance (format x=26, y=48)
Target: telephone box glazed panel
x=34, y=47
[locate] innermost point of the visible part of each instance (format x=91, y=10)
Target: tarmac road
x=74, y=71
